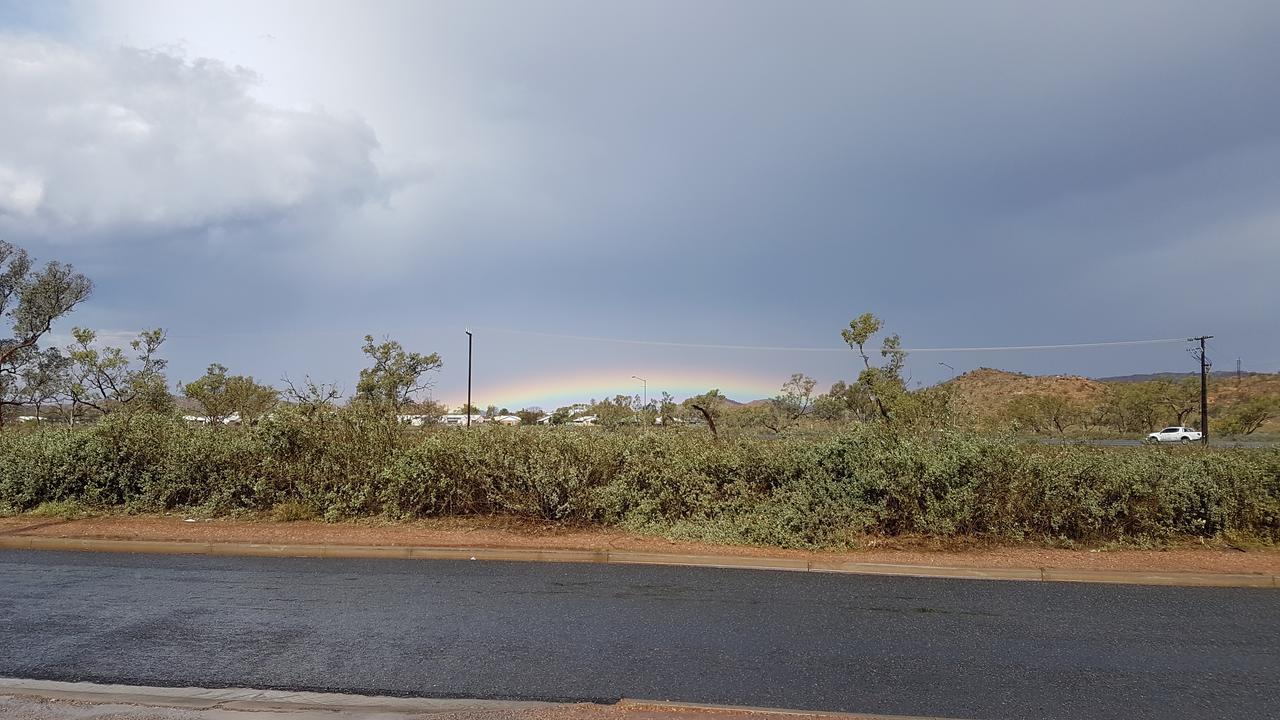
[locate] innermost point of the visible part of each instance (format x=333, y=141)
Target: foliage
x=794, y=403
x=1246, y=417
x=1045, y=413
x=883, y=384
x=616, y=411
x=529, y=416
x=396, y=374
x=311, y=397
x=709, y=407
x=828, y=491
x=30, y=301
x=106, y=380
x=223, y=395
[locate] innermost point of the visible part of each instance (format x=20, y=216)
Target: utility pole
x=468, y=378
x=1204, y=388
x=1237, y=372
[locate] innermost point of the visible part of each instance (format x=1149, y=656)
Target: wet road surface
x=951, y=648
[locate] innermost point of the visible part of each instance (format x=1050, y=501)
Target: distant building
x=506, y=419
x=460, y=419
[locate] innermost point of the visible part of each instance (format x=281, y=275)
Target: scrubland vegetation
x=804, y=492
x=804, y=469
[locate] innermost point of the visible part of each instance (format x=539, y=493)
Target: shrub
x=799, y=492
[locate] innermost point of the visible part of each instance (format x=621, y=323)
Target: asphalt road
x=952, y=648
x=1126, y=442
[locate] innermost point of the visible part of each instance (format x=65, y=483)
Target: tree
x=666, y=409
x=793, y=403
x=1043, y=412
x=1182, y=397
x=430, y=410
x=1246, y=417
x=710, y=405
x=396, y=375
x=223, y=395
x=612, y=413
x=1133, y=407
x=311, y=398
x=529, y=416
x=44, y=379
x=30, y=301
x=884, y=384
x=845, y=401
x=107, y=380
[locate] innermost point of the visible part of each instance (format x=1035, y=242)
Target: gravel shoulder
x=521, y=534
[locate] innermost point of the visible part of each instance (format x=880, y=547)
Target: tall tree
x=396, y=375
x=30, y=301
x=107, y=380
x=883, y=383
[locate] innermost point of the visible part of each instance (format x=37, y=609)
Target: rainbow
x=550, y=391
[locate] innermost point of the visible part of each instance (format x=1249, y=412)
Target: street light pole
x=644, y=384
x=468, y=378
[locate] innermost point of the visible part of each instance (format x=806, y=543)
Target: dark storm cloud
x=978, y=173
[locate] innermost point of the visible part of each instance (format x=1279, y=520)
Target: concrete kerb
x=241, y=699
x=247, y=699
x=743, y=562
x=638, y=704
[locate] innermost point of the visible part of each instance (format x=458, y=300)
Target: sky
x=272, y=180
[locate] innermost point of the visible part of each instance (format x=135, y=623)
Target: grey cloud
x=124, y=140
x=986, y=173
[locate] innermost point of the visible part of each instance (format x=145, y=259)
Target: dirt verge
x=522, y=534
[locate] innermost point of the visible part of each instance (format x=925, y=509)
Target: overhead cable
x=773, y=348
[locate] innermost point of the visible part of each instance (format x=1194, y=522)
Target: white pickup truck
x=1175, y=434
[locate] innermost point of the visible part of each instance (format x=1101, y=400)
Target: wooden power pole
x=1204, y=389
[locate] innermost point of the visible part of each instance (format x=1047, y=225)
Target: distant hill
x=1216, y=374
x=987, y=391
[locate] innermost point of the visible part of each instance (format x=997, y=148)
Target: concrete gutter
x=247, y=699
x=744, y=562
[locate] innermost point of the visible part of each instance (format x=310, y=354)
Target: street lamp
x=945, y=365
x=644, y=384
x=468, y=378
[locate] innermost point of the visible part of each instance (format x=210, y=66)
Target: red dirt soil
x=522, y=534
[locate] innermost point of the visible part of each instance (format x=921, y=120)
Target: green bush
x=827, y=491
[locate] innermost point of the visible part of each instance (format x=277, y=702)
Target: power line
x=770, y=348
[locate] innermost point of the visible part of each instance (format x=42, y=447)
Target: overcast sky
x=272, y=180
